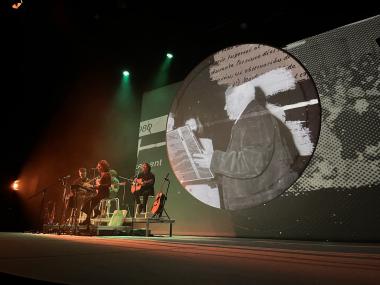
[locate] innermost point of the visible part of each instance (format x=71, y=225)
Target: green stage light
x=126, y=73
x=162, y=75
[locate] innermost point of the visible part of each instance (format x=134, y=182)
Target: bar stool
x=149, y=205
x=105, y=206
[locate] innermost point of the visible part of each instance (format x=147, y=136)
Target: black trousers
x=92, y=203
x=145, y=194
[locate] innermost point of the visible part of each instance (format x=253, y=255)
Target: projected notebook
x=182, y=144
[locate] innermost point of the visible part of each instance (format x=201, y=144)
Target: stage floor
x=132, y=226
x=185, y=260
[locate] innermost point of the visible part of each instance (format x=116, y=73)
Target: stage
x=73, y=259
x=105, y=226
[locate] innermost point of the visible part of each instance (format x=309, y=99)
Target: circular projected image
x=243, y=126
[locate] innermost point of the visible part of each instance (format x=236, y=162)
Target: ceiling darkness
x=48, y=46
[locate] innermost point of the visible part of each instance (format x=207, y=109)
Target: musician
x=115, y=184
x=114, y=189
x=102, y=187
x=82, y=180
x=76, y=201
x=146, y=180
x=82, y=177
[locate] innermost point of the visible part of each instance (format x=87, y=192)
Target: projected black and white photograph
x=243, y=126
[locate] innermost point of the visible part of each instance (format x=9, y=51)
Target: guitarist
x=146, y=180
x=71, y=200
x=102, y=191
x=114, y=189
x=115, y=184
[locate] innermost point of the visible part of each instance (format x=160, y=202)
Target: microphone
x=65, y=177
x=167, y=177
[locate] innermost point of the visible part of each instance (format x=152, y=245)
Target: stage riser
x=129, y=226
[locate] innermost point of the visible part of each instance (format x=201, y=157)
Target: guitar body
x=84, y=188
x=136, y=185
x=158, y=204
x=87, y=185
x=114, y=188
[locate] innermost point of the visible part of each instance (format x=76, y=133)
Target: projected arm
x=249, y=153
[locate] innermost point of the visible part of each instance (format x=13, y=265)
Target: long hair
x=104, y=165
x=148, y=166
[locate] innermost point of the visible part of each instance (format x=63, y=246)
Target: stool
x=105, y=206
x=149, y=204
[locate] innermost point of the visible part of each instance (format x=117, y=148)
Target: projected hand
x=195, y=125
x=192, y=123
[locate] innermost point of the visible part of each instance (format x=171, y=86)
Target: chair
x=149, y=205
x=105, y=206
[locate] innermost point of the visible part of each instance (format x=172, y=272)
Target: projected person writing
x=256, y=166
x=243, y=126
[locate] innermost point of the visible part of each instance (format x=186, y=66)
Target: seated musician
x=143, y=186
x=115, y=184
x=76, y=201
x=102, y=191
x=114, y=190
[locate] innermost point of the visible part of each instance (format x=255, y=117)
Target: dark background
x=49, y=48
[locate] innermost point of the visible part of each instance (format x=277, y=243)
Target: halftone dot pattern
x=345, y=67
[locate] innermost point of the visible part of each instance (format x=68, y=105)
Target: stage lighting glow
x=16, y=185
x=169, y=55
x=126, y=73
x=16, y=4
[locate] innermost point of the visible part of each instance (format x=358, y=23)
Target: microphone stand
x=40, y=225
x=93, y=176
x=65, y=202
x=124, y=203
x=132, y=214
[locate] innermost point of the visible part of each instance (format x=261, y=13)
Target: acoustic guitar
x=158, y=204
x=136, y=185
x=85, y=187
